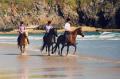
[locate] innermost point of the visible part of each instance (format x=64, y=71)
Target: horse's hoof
x=52, y=52
x=74, y=54
x=61, y=55
x=49, y=55
x=24, y=54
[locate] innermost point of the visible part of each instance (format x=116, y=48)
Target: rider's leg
x=66, y=36
x=18, y=39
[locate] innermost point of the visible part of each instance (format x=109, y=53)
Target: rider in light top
x=48, y=27
x=21, y=30
x=67, y=25
x=67, y=29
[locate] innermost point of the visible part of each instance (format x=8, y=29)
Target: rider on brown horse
x=21, y=30
x=67, y=29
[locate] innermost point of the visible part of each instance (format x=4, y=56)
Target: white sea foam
x=92, y=36
x=110, y=36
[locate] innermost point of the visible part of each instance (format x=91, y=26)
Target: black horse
x=70, y=42
x=49, y=40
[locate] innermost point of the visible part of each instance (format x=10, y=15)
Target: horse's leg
x=62, y=49
x=75, y=49
x=48, y=50
x=21, y=49
x=58, y=49
x=54, y=48
x=42, y=48
x=67, y=49
x=24, y=49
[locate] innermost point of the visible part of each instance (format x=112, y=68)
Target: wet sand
x=38, y=66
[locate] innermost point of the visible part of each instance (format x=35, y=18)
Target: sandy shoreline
x=84, y=29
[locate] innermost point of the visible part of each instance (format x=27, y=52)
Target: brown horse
x=70, y=42
x=23, y=42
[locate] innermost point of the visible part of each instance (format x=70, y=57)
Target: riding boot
x=18, y=39
x=70, y=38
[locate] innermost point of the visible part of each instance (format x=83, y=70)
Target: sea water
x=97, y=57
x=100, y=44
x=12, y=38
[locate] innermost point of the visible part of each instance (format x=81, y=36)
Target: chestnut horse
x=23, y=42
x=70, y=42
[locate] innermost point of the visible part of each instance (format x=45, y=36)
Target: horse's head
x=25, y=34
x=53, y=31
x=79, y=32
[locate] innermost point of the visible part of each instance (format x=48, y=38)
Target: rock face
x=96, y=13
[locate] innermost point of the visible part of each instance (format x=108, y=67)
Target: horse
x=49, y=40
x=70, y=42
x=23, y=42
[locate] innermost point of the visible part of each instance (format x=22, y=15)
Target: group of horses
x=52, y=41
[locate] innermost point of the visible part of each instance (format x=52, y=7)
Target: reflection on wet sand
x=23, y=70
x=58, y=67
x=36, y=66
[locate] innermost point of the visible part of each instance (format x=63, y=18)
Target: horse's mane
x=74, y=31
x=51, y=30
x=79, y=28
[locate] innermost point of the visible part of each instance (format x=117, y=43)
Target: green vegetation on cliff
x=95, y=13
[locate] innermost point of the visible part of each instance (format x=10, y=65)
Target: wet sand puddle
x=56, y=67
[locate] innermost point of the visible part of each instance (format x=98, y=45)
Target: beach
x=32, y=30
x=96, y=58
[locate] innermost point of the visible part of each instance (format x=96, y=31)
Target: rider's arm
x=19, y=30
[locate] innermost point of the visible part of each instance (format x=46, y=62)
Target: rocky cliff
x=94, y=13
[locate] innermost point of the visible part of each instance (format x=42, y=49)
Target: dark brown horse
x=70, y=42
x=49, y=40
x=23, y=42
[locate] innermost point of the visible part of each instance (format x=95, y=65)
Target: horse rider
x=47, y=30
x=67, y=29
x=21, y=30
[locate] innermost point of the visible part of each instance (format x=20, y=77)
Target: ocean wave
x=94, y=36
x=110, y=36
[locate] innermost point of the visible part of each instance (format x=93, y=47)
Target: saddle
x=20, y=36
